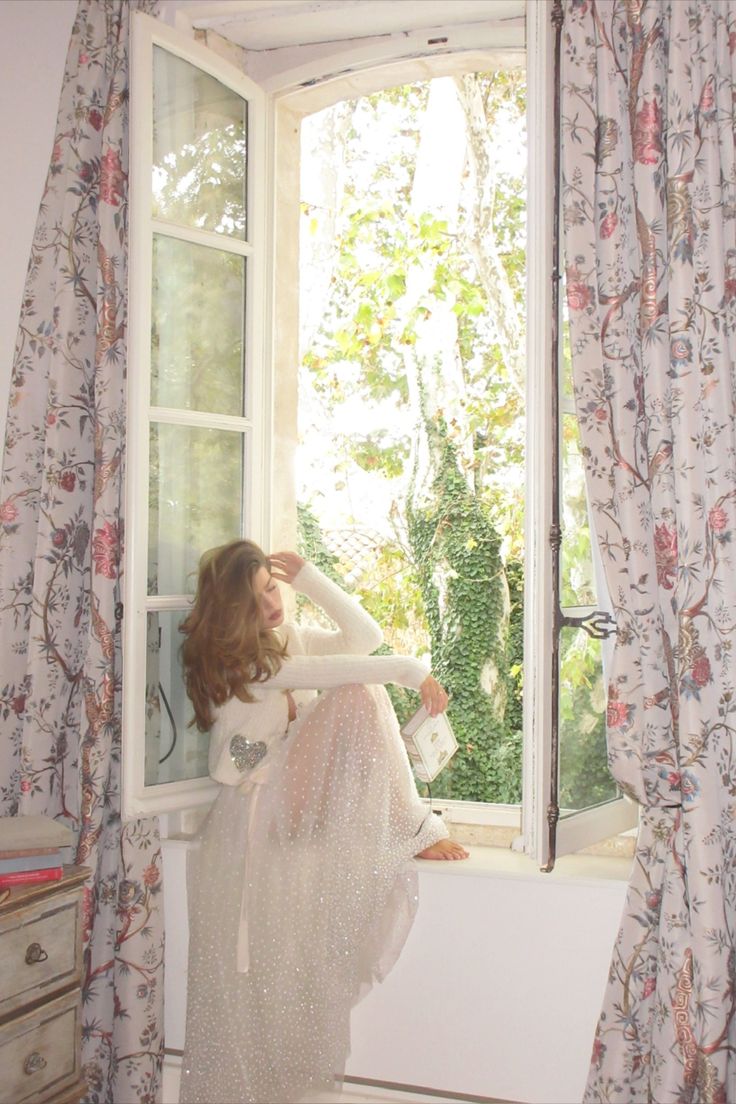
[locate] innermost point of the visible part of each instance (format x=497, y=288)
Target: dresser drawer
x=41, y=950
x=39, y=1051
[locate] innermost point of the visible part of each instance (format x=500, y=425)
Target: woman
x=300, y=891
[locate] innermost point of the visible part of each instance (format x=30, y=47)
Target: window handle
x=598, y=624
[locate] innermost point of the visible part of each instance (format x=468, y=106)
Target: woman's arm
x=311, y=672
x=323, y=667
x=356, y=634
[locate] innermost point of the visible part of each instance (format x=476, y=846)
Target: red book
x=30, y=877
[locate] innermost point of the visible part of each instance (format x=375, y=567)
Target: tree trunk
x=322, y=188
x=455, y=547
x=479, y=235
x=433, y=365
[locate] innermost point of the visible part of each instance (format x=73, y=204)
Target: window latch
x=598, y=624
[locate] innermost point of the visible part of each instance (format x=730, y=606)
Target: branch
x=480, y=237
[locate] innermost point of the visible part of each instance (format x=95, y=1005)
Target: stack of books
x=31, y=850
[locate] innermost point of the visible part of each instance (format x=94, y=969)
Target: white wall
x=499, y=987
x=497, y=991
x=34, y=35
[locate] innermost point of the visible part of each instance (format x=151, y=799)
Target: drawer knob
x=34, y=1062
x=35, y=953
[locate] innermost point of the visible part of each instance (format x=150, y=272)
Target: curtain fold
x=649, y=216
x=61, y=540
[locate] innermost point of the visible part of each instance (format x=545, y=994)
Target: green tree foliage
x=445, y=569
x=463, y=582
x=312, y=545
x=584, y=779
x=368, y=325
x=450, y=580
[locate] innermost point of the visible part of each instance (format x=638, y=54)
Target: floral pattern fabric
x=61, y=532
x=649, y=217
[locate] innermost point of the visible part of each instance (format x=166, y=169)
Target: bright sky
x=364, y=498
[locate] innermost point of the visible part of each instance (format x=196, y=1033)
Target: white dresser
x=40, y=996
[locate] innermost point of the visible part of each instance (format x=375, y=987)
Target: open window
x=197, y=385
x=212, y=393
x=570, y=800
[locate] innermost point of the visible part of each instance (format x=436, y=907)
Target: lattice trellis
x=357, y=550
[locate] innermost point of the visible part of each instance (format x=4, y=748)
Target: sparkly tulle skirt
x=311, y=870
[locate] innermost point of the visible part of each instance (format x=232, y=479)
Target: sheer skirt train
x=329, y=896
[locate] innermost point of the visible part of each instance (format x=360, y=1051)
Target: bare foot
x=444, y=849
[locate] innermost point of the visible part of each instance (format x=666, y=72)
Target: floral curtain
x=649, y=216
x=61, y=532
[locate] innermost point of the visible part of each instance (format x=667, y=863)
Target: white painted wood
x=168, y=797
x=262, y=25
x=538, y=610
x=202, y=237
x=589, y=825
x=294, y=67
x=173, y=416
x=254, y=426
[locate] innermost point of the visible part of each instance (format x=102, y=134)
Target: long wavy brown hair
x=226, y=647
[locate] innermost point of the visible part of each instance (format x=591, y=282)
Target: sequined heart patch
x=246, y=754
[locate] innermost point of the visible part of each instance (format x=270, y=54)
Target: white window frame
x=300, y=80
x=147, y=33
x=546, y=835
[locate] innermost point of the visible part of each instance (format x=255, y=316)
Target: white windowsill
x=502, y=862
x=474, y=824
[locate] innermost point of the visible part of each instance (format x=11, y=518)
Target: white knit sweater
x=318, y=659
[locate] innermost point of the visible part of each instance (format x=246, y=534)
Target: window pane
x=197, y=327
x=584, y=776
x=199, y=148
x=173, y=750
x=565, y=354
x=577, y=579
x=195, y=501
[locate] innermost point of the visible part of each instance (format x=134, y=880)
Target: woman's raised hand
x=285, y=566
x=434, y=696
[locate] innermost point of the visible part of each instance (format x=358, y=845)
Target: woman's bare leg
x=317, y=737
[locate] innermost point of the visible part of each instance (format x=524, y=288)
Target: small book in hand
x=430, y=743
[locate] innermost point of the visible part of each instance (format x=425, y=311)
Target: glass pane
x=174, y=751
x=577, y=578
x=195, y=501
x=584, y=776
x=197, y=327
x=565, y=352
x=200, y=130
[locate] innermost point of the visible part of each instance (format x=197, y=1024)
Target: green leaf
x=396, y=284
